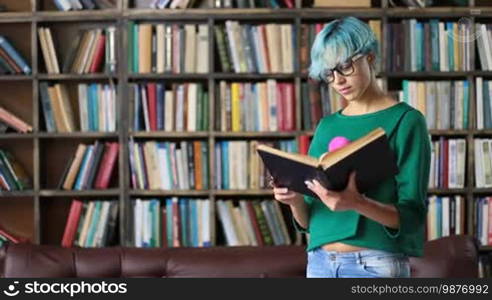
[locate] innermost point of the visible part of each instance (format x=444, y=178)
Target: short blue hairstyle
x=337, y=42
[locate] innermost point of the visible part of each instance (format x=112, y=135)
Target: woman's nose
x=339, y=79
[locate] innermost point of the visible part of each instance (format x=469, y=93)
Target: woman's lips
x=345, y=91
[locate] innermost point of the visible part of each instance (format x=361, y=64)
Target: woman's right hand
x=286, y=196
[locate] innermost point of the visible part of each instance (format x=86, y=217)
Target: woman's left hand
x=348, y=199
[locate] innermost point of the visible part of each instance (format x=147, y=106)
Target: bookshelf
x=39, y=213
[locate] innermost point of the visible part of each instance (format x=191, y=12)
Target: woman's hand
x=285, y=196
x=348, y=199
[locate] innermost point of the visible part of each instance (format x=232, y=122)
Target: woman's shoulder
x=413, y=115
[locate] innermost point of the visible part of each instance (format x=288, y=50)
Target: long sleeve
x=315, y=150
x=413, y=151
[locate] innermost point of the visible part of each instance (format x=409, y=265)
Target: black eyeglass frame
x=329, y=76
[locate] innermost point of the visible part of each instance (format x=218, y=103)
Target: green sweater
x=409, y=139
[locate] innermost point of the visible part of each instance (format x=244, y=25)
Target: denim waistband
x=357, y=255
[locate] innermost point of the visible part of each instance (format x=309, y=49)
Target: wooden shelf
x=76, y=76
x=83, y=193
x=241, y=193
x=433, y=74
x=15, y=17
x=250, y=76
x=432, y=12
x=328, y=13
x=15, y=77
x=482, y=190
x=8, y=194
x=255, y=134
x=440, y=191
x=8, y=136
x=485, y=248
x=166, y=193
x=76, y=135
x=481, y=132
x=168, y=76
x=76, y=16
x=205, y=14
x=451, y=133
x=164, y=134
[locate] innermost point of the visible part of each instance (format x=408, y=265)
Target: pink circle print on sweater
x=337, y=143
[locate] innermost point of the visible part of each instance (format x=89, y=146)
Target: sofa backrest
x=25, y=260
x=454, y=256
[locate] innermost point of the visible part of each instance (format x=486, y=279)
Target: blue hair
x=338, y=41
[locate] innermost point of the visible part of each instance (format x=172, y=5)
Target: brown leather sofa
x=454, y=256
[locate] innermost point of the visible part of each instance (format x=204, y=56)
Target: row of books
x=90, y=51
x=8, y=119
x=253, y=223
x=238, y=166
x=7, y=236
x=445, y=216
x=170, y=4
x=259, y=106
x=66, y=5
x=411, y=3
x=429, y=46
x=96, y=106
x=264, y=48
x=175, y=107
x=448, y=163
x=445, y=104
x=180, y=4
x=170, y=48
x=484, y=103
x=484, y=44
x=3, y=241
x=11, y=60
x=172, y=222
x=483, y=163
x=253, y=4
x=485, y=265
x=91, y=223
x=90, y=167
x=57, y=110
x=169, y=165
x=319, y=100
x=482, y=220
x=13, y=176
x=308, y=34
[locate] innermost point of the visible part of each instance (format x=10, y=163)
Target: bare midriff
x=341, y=247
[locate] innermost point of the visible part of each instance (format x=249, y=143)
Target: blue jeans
x=356, y=264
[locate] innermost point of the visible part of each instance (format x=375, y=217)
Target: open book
x=370, y=156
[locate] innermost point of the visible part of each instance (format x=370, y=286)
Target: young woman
x=353, y=234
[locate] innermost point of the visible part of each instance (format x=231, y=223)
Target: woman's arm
x=386, y=214
x=296, y=203
x=300, y=213
x=351, y=199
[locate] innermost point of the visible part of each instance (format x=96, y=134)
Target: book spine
x=19, y=60
x=104, y=176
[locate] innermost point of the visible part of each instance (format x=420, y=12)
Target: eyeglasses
x=345, y=69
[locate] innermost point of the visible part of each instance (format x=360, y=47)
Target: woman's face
x=354, y=85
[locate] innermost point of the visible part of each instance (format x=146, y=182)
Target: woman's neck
x=373, y=99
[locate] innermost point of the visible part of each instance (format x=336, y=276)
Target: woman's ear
x=371, y=59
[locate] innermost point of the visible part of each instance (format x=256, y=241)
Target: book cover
x=370, y=156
